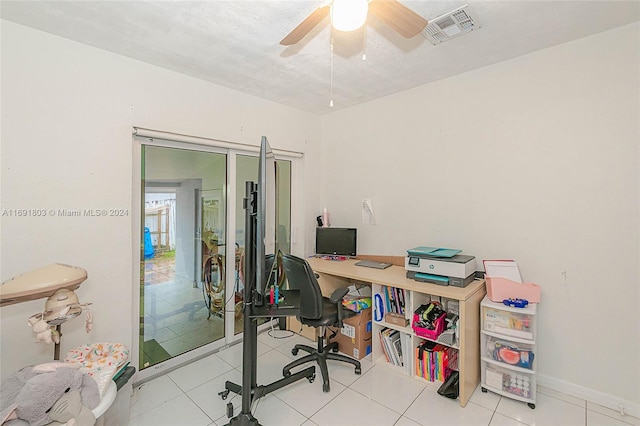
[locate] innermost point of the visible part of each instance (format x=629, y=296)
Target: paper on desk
x=502, y=269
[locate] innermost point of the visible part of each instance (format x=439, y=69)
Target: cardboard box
x=396, y=319
x=296, y=326
x=354, y=339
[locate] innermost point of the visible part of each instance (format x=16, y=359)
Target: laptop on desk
x=373, y=264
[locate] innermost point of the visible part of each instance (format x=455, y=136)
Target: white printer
x=457, y=270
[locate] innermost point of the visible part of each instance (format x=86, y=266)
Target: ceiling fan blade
x=399, y=17
x=305, y=26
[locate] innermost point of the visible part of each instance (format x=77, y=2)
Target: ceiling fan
x=397, y=16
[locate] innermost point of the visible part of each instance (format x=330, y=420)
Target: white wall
x=67, y=115
x=534, y=159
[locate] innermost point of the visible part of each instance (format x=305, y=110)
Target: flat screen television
x=266, y=216
x=336, y=241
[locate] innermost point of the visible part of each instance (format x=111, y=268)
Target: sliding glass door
x=192, y=247
x=182, y=287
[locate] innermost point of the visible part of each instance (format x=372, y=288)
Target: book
x=427, y=360
x=120, y=371
x=392, y=336
x=396, y=304
x=386, y=298
x=397, y=346
x=403, y=301
x=405, y=340
x=383, y=344
x=389, y=337
x=392, y=301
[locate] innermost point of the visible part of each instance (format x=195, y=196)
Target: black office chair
x=316, y=311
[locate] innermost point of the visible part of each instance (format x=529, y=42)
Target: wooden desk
x=334, y=274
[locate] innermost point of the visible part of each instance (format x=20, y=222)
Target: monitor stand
x=250, y=330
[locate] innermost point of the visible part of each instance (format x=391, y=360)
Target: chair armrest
x=336, y=297
x=338, y=294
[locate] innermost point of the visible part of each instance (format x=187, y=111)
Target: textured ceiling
x=236, y=43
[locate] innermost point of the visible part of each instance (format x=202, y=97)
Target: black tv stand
x=251, y=312
x=249, y=361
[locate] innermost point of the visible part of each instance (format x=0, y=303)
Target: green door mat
x=153, y=353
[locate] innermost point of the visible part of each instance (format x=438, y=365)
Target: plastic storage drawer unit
x=508, y=350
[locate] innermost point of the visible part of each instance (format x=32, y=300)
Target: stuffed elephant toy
x=48, y=394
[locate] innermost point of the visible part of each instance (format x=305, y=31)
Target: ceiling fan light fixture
x=349, y=15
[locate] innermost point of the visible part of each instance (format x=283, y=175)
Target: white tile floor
x=189, y=397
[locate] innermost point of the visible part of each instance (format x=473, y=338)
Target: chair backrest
x=301, y=277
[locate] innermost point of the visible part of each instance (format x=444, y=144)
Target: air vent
x=451, y=25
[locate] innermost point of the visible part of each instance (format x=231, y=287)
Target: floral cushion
x=99, y=360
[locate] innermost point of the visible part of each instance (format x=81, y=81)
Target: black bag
x=450, y=386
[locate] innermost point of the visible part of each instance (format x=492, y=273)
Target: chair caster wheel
x=358, y=370
x=325, y=387
x=312, y=378
x=294, y=351
x=229, y=410
x=334, y=350
x=224, y=394
x=531, y=405
x=483, y=390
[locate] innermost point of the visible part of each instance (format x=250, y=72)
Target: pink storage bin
x=425, y=332
x=499, y=289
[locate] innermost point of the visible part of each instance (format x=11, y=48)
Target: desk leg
x=469, y=351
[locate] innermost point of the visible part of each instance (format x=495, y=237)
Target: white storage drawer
x=509, y=352
x=518, y=384
x=519, y=324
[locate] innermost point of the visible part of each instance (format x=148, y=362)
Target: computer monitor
x=336, y=241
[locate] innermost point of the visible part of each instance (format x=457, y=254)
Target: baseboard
x=609, y=401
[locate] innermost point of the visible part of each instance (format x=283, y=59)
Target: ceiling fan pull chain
x=331, y=78
x=364, y=42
